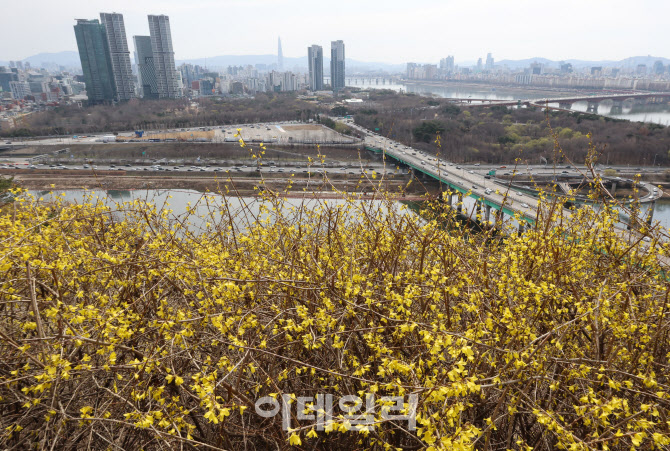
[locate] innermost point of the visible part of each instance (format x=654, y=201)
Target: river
x=207, y=207
x=658, y=113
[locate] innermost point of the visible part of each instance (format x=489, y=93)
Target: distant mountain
x=518, y=64
x=71, y=59
x=290, y=63
x=627, y=62
x=67, y=59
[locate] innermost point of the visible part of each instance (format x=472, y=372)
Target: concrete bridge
x=463, y=183
x=566, y=103
x=366, y=80
x=618, y=99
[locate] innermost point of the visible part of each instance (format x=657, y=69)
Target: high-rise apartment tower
x=119, y=55
x=95, y=60
x=315, y=62
x=337, y=65
x=163, y=56
x=146, y=73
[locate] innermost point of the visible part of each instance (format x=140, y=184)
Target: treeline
x=164, y=114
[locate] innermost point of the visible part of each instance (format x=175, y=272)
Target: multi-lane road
x=467, y=181
x=474, y=180
x=297, y=169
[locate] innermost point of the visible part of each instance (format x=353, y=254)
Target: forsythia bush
x=123, y=329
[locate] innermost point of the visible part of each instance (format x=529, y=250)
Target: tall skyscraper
x=146, y=73
x=7, y=76
x=95, y=60
x=119, y=55
x=280, y=56
x=337, y=65
x=489, y=62
x=450, y=63
x=161, y=45
x=315, y=60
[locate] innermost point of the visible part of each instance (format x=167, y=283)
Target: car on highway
x=471, y=172
x=524, y=205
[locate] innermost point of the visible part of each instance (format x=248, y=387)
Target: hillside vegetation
x=121, y=328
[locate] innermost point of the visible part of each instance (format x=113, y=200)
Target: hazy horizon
x=383, y=32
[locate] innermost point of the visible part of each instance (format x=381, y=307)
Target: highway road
x=298, y=170
x=473, y=179
x=464, y=179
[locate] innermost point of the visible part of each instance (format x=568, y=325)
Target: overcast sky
x=390, y=31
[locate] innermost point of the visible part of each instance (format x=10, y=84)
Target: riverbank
x=493, y=87
x=247, y=183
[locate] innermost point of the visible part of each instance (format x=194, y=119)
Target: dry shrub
x=123, y=329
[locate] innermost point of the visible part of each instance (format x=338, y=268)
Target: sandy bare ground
x=137, y=151
x=75, y=180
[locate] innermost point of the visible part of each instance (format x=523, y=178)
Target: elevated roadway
x=469, y=183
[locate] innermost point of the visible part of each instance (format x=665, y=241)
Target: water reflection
x=245, y=211
x=199, y=212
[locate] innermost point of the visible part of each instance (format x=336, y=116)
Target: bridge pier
x=459, y=206
x=478, y=210
x=522, y=228
x=565, y=105
x=488, y=214
x=617, y=107
x=592, y=107
x=613, y=189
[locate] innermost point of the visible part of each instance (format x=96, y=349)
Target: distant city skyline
x=390, y=31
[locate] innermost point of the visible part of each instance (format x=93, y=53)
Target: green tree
x=427, y=130
x=451, y=109
x=339, y=111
